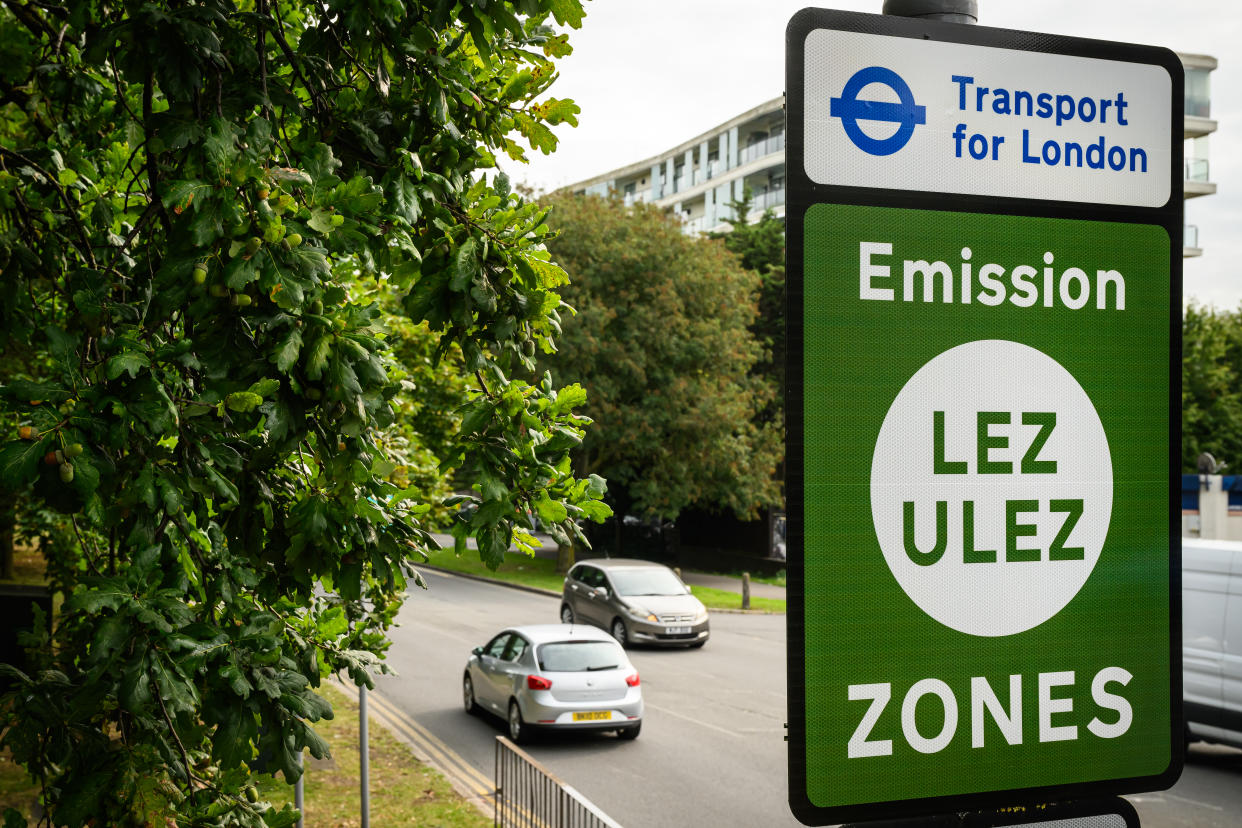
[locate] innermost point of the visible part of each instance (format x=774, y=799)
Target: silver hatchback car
x=636, y=601
x=555, y=676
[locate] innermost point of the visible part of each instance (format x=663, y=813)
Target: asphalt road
x=711, y=752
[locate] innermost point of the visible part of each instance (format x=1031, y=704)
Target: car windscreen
x=580, y=656
x=646, y=581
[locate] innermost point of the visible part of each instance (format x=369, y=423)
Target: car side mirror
x=477, y=651
x=601, y=592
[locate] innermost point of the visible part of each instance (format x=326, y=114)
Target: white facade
x=699, y=178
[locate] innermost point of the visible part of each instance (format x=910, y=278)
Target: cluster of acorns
x=60, y=457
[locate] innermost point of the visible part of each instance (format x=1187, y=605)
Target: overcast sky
x=650, y=74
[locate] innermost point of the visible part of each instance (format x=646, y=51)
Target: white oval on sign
x=991, y=487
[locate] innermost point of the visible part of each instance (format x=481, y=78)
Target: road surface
x=712, y=751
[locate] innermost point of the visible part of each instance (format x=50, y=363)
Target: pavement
x=728, y=583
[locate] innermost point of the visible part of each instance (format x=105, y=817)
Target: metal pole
x=950, y=11
x=364, y=761
x=297, y=791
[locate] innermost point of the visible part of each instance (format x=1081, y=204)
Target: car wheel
x=630, y=732
x=618, y=631
x=467, y=694
x=517, y=727
x=567, y=614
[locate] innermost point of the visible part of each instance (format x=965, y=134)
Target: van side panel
x=1231, y=667
x=1212, y=639
x=1205, y=575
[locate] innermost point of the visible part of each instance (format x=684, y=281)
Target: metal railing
x=775, y=143
x=772, y=198
x=699, y=224
x=528, y=795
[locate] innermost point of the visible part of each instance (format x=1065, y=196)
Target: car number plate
x=593, y=716
x=676, y=630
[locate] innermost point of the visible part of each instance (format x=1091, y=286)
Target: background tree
x=1211, y=386
x=661, y=342
x=205, y=211
x=761, y=247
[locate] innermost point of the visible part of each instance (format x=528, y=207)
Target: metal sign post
x=984, y=282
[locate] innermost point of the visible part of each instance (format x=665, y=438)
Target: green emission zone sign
x=982, y=432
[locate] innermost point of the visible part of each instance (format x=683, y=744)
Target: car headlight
x=640, y=613
x=701, y=615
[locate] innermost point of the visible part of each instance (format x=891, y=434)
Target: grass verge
x=723, y=599
x=541, y=572
x=403, y=791
x=516, y=569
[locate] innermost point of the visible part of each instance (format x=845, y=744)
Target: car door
x=490, y=663
x=593, y=606
x=508, y=672
x=575, y=590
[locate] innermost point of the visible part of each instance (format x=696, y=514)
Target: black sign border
x=801, y=194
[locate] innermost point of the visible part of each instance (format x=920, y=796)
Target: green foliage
x=761, y=247
x=1211, y=386
x=661, y=342
x=211, y=215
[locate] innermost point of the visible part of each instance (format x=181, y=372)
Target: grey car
x=637, y=601
x=554, y=676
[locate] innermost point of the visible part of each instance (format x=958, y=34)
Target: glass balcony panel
x=1190, y=236
x=1197, y=169
x=1198, y=96
x=696, y=225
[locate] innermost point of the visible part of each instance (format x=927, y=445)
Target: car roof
x=543, y=633
x=622, y=563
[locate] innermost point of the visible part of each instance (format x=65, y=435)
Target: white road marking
x=1192, y=802
x=693, y=720
x=437, y=753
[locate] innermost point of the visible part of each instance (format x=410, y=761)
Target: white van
x=1212, y=639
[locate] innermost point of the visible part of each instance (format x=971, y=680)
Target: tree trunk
x=8, y=525
x=564, y=556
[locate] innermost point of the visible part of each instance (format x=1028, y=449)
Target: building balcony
x=1196, y=127
x=1190, y=242
x=762, y=201
x=1196, y=181
x=774, y=144
x=696, y=225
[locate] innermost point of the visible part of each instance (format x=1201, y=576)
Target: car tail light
x=632, y=681
x=539, y=683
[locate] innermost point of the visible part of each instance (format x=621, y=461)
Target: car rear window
x=580, y=656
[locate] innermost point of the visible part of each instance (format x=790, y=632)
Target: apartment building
x=699, y=178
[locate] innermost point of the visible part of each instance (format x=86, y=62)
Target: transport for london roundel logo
x=850, y=109
x=992, y=487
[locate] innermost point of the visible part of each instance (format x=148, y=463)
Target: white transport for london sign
x=956, y=118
